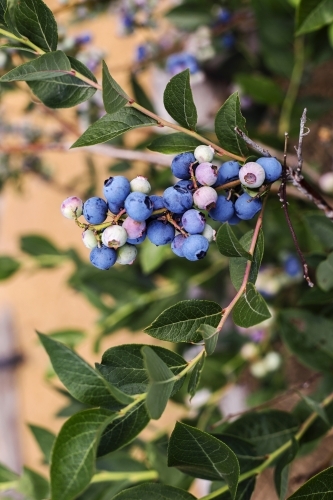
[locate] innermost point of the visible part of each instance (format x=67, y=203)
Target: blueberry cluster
x=129, y=215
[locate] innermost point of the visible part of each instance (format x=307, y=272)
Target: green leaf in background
x=202, y=455
x=110, y=126
x=195, y=376
x=316, y=407
x=227, y=118
x=83, y=382
x=153, y=492
x=244, y=450
x=210, y=336
x=237, y=265
x=309, y=337
x=8, y=266
x=140, y=95
x=250, y=309
x=65, y=91
x=161, y=383
x=228, y=244
x=36, y=245
x=260, y=88
x=244, y=490
x=179, y=323
x=267, y=430
x=313, y=15
x=10, y=21
x=46, y=67
x=114, y=97
x=178, y=100
x=6, y=475
x=3, y=7
x=322, y=228
x=281, y=473
x=319, y=486
x=70, y=337
x=74, y=452
x=189, y=16
x=45, y=440
x=174, y=144
x=35, y=21
x=324, y=274
x=33, y=485
x=153, y=256
x=123, y=429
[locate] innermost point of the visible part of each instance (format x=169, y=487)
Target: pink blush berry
x=205, y=197
x=206, y=174
x=72, y=207
x=134, y=228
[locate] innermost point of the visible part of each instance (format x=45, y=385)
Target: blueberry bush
x=199, y=277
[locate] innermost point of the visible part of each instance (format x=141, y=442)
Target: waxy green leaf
x=110, y=126
x=228, y=244
x=33, y=486
x=281, y=473
x=318, y=487
x=178, y=100
x=114, y=97
x=202, y=455
x=322, y=228
x=237, y=265
x=195, y=376
x=45, y=440
x=250, y=309
x=50, y=65
x=210, y=336
x=313, y=15
x=154, y=492
x=174, y=144
x=8, y=266
x=179, y=323
x=227, y=118
x=35, y=21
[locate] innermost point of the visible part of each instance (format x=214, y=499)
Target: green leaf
x=8, y=267
x=267, y=430
x=114, y=97
x=260, y=88
x=250, y=309
x=179, y=323
x=308, y=336
x=161, y=383
x=10, y=17
x=6, y=475
x=244, y=490
x=228, y=244
x=74, y=452
x=227, y=118
x=281, y=473
x=35, y=21
x=244, y=450
x=174, y=144
x=45, y=67
x=124, y=429
x=153, y=256
x=210, y=336
x=33, y=485
x=110, y=126
x=316, y=407
x=189, y=16
x=70, y=337
x=153, y=492
x=324, y=274
x=65, y=91
x=313, y=15
x=140, y=95
x=3, y=7
x=36, y=245
x=237, y=265
x=195, y=376
x=201, y=455
x=45, y=440
x=80, y=379
x=318, y=487
x=178, y=100
x=322, y=228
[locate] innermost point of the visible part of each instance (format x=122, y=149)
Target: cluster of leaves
x=115, y=400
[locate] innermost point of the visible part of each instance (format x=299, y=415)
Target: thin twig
x=300, y=144
x=251, y=143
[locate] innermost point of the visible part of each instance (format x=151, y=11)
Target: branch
x=252, y=144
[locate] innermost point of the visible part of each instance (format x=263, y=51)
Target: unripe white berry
x=326, y=182
x=204, y=153
x=252, y=175
x=249, y=351
x=259, y=369
x=140, y=184
x=126, y=254
x=72, y=207
x=272, y=361
x=209, y=233
x=205, y=197
x=114, y=236
x=89, y=239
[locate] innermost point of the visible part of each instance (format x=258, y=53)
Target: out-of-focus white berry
x=252, y=175
x=114, y=236
x=89, y=239
x=258, y=369
x=204, y=153
x=205, y=197
x=249, y=351
x=209, y=233
x=326, y=182
x=272, y=361
x=72, y=207
x=140, y=184
x=126, y=254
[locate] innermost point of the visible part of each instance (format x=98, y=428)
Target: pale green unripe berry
x=259, y=369
x=326, y=182
x=126, y=254
x=249, y=351
x=72, y=207
x=140, y=184
x=272, y=361
x=114, y=236
x=252, y=175
x=89, y=239
x=204, y=153
x=209, y=233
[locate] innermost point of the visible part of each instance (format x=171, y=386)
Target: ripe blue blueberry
x=180, y=165
x=137, y=241
x=160, y=233
x=234, y=220
x=138, y=206
x=292, y=266
x=227, y=172
x=195, y=247
x=272, y=167
x=116, y=189
x=180, y=61
x=103, y=257
x=223, y=210
x=158, y=202
x=193, y=221
x=177, y=245
x=95, y=210
x=177, y=199
x=187, y=184
x=246, y=207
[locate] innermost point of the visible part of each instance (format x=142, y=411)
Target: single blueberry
x=116, y=189
x=223, y=210
x=193, y=221
x=138, y=206
x=180, y=165
x=160, y=233
x=137, y=241
x=272, y=167
x=195, y=247
x=95, y=210
x=177, y=245
x=103, y=257
x=246, y=207
x=177, y=199
x=227, y=172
